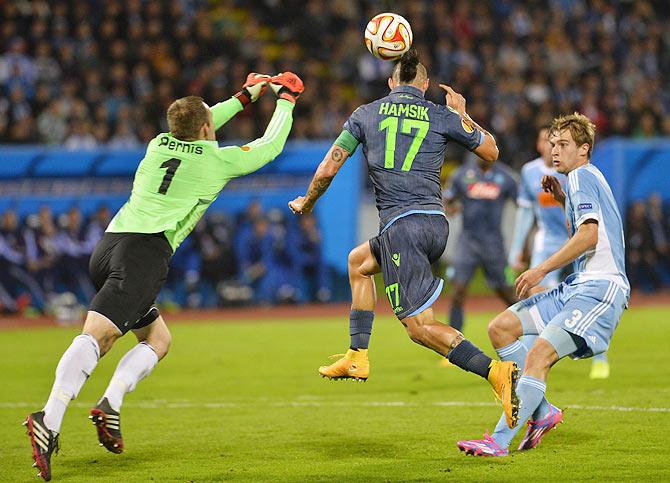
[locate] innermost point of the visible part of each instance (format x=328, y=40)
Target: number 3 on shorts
x=576, y=317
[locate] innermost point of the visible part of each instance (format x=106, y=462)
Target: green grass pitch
x=241, y=401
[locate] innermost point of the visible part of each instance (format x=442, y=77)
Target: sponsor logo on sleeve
x=585, y=206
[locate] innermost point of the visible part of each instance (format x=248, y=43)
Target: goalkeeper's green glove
x=287, y=86
x=253, y=88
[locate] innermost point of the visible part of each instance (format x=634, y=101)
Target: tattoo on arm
x=321, y=180
x=317, y=187
x=337, y=155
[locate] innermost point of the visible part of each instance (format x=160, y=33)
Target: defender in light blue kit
x=577, y=318
x=535, y=203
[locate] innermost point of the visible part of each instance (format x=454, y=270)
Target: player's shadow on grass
x=339, y=446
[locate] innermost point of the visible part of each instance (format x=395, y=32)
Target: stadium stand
x=74, y=74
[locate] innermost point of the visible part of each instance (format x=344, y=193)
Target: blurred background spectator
x=647, y=232
x=264, y=258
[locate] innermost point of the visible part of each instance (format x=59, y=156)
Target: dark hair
x=407, y=66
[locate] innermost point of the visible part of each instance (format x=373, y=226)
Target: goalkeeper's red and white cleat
x=44, y=443
x=107, y=423
x=287, y=86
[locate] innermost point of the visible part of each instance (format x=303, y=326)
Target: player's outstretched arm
x=254, y=87
x=241, y=160
x=247, y=159
x=323, y=176
x=584, y=239
x=488, y=149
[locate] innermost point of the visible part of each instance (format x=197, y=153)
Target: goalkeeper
x=181, y=174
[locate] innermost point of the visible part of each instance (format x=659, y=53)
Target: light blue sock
x=531, y=392
x=600, y=357
x=528, y=340
x=517, y=351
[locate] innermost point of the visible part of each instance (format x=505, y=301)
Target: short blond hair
x=582, y=129
x=186, y=116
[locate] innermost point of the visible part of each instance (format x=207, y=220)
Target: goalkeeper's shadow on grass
x=121, y=466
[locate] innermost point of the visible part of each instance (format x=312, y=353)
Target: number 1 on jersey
x=391, y=124
x=171, y=164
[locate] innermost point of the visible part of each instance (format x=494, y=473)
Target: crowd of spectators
x=255, y=258
x=84, y=73
x=648, y=244
x=259, y=258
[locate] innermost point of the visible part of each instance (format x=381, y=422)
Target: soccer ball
x=388, y=36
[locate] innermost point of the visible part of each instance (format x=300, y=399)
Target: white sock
x=133, y=367
x=73, y=369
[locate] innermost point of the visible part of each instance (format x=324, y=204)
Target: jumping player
x=579, y=316
x=482, y=189
x=181, y=174
x=534, y=204
x=404, y=138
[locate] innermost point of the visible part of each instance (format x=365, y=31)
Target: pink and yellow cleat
x=537, y=429
x=482, y=447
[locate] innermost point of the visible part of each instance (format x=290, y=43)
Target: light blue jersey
x=551, y=230
x=589, y=197
x=590, y=302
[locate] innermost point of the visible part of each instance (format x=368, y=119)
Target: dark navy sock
x=469, y=357
x=360, y=328
x=456, y=317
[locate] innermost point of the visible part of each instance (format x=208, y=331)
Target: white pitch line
x=164, y=404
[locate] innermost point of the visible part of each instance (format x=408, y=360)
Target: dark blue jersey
x=483, y=195
x=404, y=138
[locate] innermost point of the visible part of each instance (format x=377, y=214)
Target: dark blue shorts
x=405, y=252
x=472, y=253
